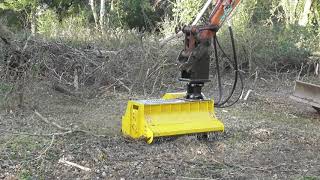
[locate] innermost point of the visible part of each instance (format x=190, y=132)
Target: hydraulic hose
x=236, y=69
x=218, y=70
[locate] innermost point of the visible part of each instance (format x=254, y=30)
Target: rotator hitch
x=194, y=60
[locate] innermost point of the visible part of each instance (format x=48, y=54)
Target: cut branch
x=65, y=162
x=52, y=123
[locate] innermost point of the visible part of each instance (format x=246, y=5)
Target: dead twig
x=155, y=82
x=123, y=85
x=65, y=91
x=263, y=79
x=298, y=77
x=30, y=134
x=47, y=148
x=191, y=178
x=248, y=94
x=52, y=123
x=67, y=130
x=76, y=80
x=26, y=44
x=65, y=162
x=53, y=134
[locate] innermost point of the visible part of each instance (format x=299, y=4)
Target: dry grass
x=87, y=88
x=266, y=136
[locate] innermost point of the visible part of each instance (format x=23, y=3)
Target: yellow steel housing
x=169, y=116
x=176, y=95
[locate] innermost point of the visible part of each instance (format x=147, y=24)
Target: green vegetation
x=310, y=178
x=145, y=15
x=23, y=147
x=270, y=34
x=25, y=175
x=4, y=89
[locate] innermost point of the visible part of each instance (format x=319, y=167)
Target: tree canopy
x=147, y=15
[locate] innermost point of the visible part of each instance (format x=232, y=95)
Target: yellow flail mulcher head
x=172, y=115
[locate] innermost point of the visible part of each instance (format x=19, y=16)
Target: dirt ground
x=268, y=136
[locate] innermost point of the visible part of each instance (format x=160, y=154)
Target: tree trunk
x=293, y=6
x=5, y=34
x=33, y=22
x=304, y=17
x=94, y=12
x=102, y=14
x=112, y=6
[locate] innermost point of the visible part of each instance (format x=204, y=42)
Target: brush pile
x=87, y=71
